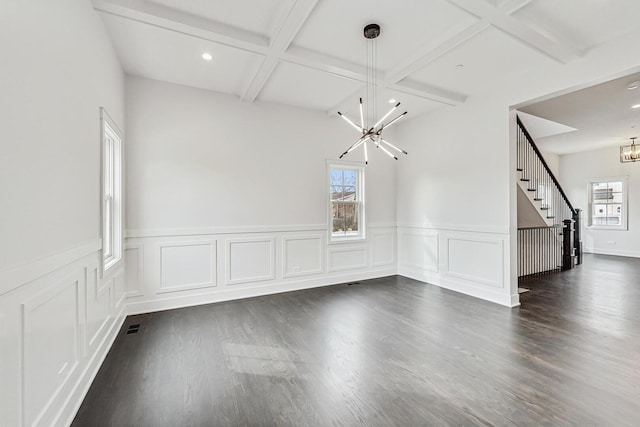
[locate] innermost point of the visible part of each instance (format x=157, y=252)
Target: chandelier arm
x=394, y=120
x=361, y=115
x=393, y=146
x=386, y=115
x=366, y=154
x=361, y=130
x=387, y=151
x=354, y=145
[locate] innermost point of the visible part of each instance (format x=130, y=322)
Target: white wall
x=459, y=211
x=576, y=171
x=57, y=315
x=228, y=199
x=553, y=161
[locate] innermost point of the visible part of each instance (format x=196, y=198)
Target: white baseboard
x=82, y=386
x=613, y=252
x=460, y=286
x=256, y=291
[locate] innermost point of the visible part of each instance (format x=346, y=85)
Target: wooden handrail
x=546, y=166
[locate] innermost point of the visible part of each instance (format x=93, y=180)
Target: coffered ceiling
x=311, y=53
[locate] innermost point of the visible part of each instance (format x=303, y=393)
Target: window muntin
x=111, y=193
x=608, y=203
x=346, y=202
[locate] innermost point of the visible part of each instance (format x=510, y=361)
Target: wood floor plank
x=386, y=352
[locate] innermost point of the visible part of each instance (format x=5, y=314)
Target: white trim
x=493, y=229
x=233, y=293
x=360, y=195
x=624, y=217
x=285, y=239
x=355, y=248
x=272, y=260
x=612, y=252
x=109, y=127
x=500, y=243
x=167, y=232
x=179, y=288
x=16, y=277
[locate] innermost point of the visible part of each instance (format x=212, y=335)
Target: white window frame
x=360, y=193
x=111, y=191
x=624, y=225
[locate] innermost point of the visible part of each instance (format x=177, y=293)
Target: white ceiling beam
x=289, y=25
x=295, y=18
x=173, y=20
x=501, y=18
x=321, y=62
x=429, y=92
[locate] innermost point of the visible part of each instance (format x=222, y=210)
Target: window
x=346, y=191
x=111, y=192
x=608, y=203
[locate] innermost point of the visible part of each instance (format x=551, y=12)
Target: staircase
x=548, y=224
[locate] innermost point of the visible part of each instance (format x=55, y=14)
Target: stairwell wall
x=457, y=220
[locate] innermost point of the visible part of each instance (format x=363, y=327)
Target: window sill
x=608, y=228
x=343, y=240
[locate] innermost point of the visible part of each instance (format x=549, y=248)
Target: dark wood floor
x=386, y=352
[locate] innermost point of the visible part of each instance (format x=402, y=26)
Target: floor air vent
x=133, y=329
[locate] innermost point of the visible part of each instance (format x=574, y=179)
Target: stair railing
x=547, y=190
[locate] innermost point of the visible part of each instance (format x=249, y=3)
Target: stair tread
x=519, y=169
x=537, y=200
x=524, y=179
x=531, y=189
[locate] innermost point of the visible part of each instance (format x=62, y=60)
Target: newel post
x=567, y=244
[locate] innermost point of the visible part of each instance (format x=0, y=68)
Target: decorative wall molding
x=482, y=247
x=383, y=248
x=65, y=321
x=134, y=268
x=294, y=263
x=15, y=277
x=408, y=252
x=343, y=258
x=252, y=246
x=472, y=263
x=208, y=231
x=456, y=227
x=192, y=260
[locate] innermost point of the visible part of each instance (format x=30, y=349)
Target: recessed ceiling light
x=633, y=85
x=460, y=66
x=207, y=56
x=392, y=101
x=635, y=106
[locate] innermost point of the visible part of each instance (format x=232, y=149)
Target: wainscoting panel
x=383, y=248
x=51, y=344
x=419, y=249
x=60, y=324
x=99, y=303
x=302, y=255
x=347, y=257
x=187, y=265
x=472, y=263
x=250, y=260
x=134, y=269
x=476, y=259
x=253, y=262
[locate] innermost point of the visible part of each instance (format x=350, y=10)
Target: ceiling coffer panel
x=156, y=53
